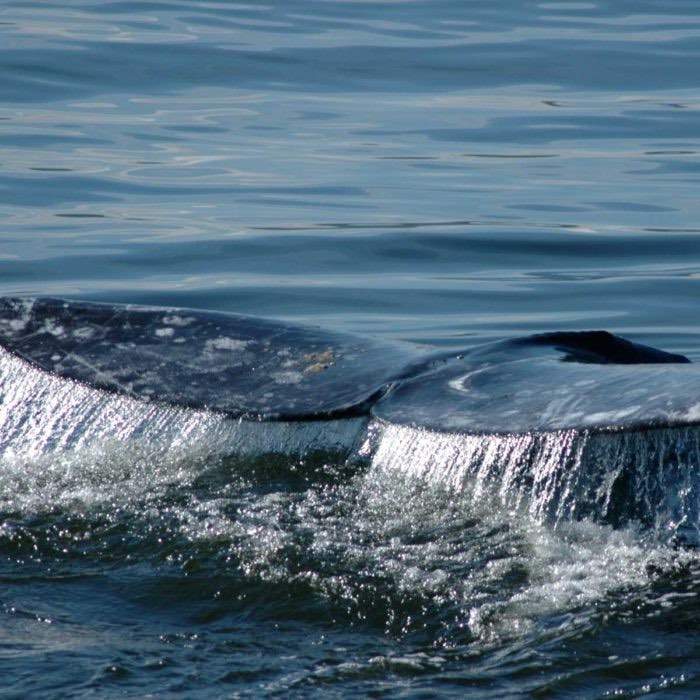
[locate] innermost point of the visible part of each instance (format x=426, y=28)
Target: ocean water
x=444, y=172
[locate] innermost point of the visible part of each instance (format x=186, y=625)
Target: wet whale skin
x=259, y=369
x=237, y=365
x=590, y=380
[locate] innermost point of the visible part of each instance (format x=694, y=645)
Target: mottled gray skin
x=258, y=369
x=244, y=367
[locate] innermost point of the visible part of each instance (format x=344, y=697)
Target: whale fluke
x=573, y=424
x=258, y=369
x=240, y=366
x=589, y=380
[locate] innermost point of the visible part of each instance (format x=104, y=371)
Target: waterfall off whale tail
x=566, y=425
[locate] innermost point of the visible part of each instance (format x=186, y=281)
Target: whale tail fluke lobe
x=239, y=366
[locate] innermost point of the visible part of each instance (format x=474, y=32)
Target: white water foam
x=487, y=552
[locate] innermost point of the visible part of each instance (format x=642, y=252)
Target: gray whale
x=565, y=425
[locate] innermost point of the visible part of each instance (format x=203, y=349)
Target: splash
x=614, y=477
x=43, y=415
x=650, y=476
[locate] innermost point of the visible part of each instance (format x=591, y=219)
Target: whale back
x=240, y=366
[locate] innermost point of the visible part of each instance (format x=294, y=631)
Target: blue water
x=444, y=172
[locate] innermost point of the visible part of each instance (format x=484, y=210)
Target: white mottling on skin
x=179, y=340
x=180, y=321
x=223, y=343
x=287, y=377
x=55, y=358
x=17, y=324
x=53, y=328
x=165, y=332
x=83, y=333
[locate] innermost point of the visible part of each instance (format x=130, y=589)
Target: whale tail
x=567, y=425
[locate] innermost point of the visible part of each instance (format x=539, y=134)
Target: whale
x=564, y=425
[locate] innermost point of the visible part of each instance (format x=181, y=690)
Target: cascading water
x=562, y=426
x=41, y=414
x=650, y=476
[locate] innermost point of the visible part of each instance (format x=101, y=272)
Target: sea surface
x=444, y=172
